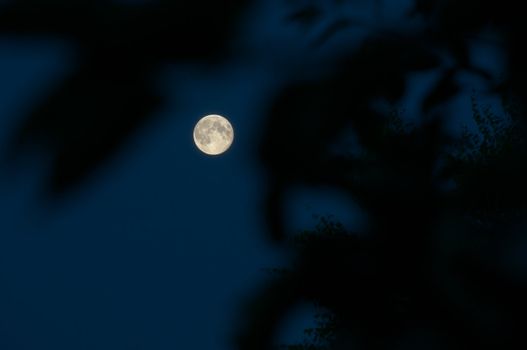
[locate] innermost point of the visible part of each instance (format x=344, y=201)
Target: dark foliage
x=429, y=272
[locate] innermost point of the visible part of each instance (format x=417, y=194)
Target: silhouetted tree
x=482, y=218
x=430, y=270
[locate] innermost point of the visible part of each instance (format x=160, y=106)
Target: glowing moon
x=213, y=134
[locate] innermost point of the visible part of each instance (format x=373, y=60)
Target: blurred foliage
x=432, y=270
x=495, y=137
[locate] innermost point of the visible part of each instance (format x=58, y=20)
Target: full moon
x=213, y=134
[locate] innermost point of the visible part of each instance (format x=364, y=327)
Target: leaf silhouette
x=445, y=89
x=331, y=30
x=305, y=16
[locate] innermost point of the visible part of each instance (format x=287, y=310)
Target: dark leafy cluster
x=432, y=269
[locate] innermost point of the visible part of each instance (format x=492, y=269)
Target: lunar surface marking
x=213, y=134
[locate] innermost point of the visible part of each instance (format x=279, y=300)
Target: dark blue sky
x=159, y=249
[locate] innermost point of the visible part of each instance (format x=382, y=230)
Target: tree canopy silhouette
x=431, y=269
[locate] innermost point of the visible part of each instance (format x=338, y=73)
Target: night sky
x=159, y=248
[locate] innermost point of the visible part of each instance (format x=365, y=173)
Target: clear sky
x=159, y=249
